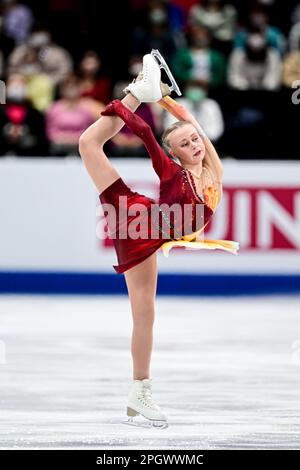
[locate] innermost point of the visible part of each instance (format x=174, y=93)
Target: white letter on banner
x=271, y=213
x=242, y=217
x=218, y=226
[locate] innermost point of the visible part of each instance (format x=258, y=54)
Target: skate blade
x=134, y=418
x=163, y=65
x=150, y=424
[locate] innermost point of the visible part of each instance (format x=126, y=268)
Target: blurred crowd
x=237, y=64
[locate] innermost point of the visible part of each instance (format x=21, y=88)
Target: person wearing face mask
x=67, y=118
x=39, y=55
x=22, y=128
x=173, y=11
x=291, y=68
x=198, y=61
x=93, y=83
x=257, y=66
x=205, y=109
x=158, y=15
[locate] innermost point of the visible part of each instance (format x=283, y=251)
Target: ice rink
x=226, y=371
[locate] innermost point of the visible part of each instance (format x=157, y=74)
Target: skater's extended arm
x=140, y=128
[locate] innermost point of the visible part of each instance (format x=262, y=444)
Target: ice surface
x=226, y=371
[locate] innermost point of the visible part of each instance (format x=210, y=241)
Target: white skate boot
x=148, y=86
x=140, y=403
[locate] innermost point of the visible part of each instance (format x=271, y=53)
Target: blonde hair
x=167, y=132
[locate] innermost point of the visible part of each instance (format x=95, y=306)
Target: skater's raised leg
x=147, y=87
x=91, y=145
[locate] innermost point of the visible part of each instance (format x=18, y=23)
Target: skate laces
x=145, y=71
x=142, y=76
x=138, y=78
x=145, y=396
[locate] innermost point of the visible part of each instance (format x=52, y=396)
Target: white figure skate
x=140, y=403
x=148, y=87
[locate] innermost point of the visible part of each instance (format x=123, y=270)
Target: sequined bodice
x=178, y=190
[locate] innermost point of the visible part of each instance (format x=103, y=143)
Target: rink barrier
x=52, y=231
x=168, y=284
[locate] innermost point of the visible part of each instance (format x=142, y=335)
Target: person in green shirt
x=197, y=63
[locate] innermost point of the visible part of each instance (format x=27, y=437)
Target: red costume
x=175, y=187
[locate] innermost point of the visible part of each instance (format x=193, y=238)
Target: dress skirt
x=135, y=231
x=124, y=226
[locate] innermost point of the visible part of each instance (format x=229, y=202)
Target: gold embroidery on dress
x=211, y=197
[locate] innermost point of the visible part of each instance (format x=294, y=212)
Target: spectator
x=41, y=91
x=198, y=63
x=291, y=67
x=294, y=37
x=295, y=14
x=93, y=84
x=95, y=107
x=259, y=19
x=219, y=19
x=17, y=20
x=206, y=111
x=294, y=34
x=257, y=66
x=39, y=55
x=176, y=11
x=67, y=119
x=22, y=128
x=156, y=34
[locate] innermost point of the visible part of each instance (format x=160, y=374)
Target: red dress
x=156, y=225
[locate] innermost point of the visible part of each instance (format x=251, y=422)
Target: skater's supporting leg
x=141, y=284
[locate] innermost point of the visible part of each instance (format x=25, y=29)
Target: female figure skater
x=196, y=180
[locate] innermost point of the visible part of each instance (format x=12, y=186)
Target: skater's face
x=186, y=144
